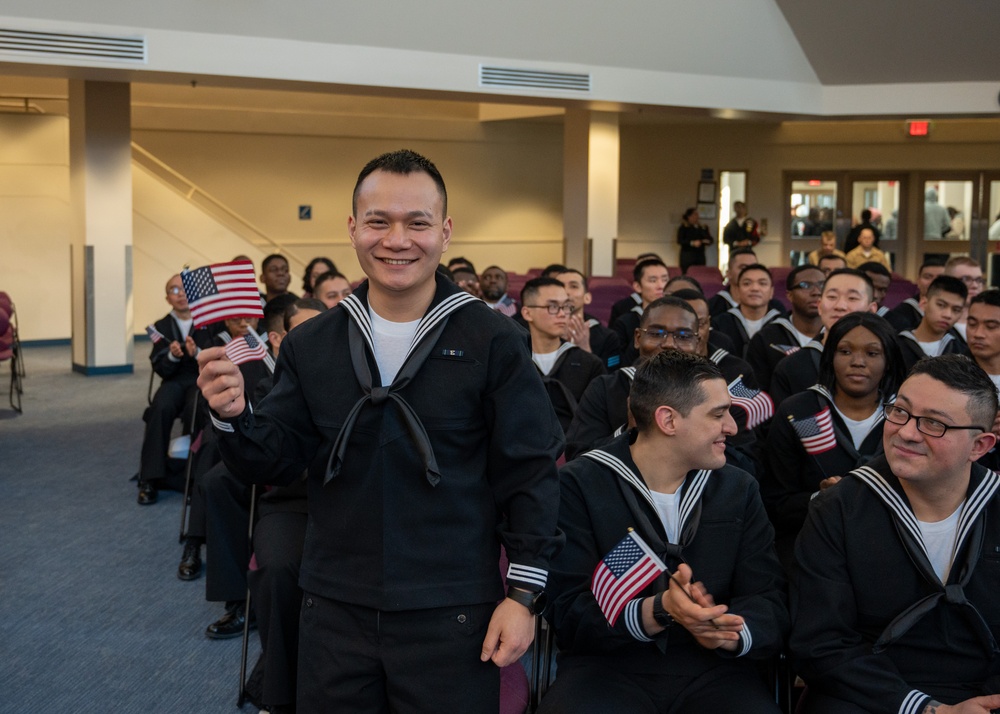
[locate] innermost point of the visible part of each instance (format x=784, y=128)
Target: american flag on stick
x=815, y=432
x=628, y=568
x=246, y=349
x=222, y=291
x=154, y=334
x=757, y=404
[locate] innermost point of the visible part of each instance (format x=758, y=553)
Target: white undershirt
x=546, y=361
x=803, y=338
x=931, y=349
x=961, y=327
x=860, y=429
x=668, y=508
x=184, y=325
x=939, y=539
x=392, y=342
x=753, y=326
x=996, y=380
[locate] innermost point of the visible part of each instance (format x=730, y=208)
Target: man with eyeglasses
x=566, y=369
x=666, y=323
x=784, y=336
x=175, y=346
x=894, y=601
x=969, y=272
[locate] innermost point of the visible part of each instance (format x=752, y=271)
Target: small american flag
x=786, y=349
x=245, y=349
x=624, y=571
x=757, y=404
x=816, y=432
x=221, y=291
x=154, y=334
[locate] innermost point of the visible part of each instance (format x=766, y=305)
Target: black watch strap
x=535, y=602
x=660, y=615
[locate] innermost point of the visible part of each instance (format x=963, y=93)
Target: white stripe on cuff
x=746, y=638
x=914, y=702
x=528, y=574
x=222, y=426
x=633, y=620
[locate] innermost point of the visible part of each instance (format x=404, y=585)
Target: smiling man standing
x=894, y=606
x=407, y=408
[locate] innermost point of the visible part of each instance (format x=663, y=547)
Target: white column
x=591, y=153
x=100, y=160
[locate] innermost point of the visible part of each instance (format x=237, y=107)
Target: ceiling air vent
x=59, y=44
x=532, y=79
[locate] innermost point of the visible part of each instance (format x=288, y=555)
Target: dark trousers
x=593, y=687
x=172, y=400
x=277, y=599
x=221, y=514
x=356, y=659
x=689, y=258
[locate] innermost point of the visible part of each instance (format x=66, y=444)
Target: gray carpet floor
x=92, y=615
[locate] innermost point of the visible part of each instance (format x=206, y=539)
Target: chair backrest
x=6, y=304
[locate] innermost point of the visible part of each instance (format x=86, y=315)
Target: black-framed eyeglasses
x=680, y=337
x=806, y=285
x=925, y=425
x=554, y=309
x=969, y=280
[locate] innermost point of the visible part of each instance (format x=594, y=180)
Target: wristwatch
x=535, y=602
x=660, y=615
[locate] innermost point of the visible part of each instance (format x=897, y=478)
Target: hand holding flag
x=627, y=568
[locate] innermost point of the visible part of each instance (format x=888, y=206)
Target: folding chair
x=7, y=305
x=185, y=504
x=541, y=662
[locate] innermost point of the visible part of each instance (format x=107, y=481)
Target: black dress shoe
x=231, y=624
x=147, y=494
x=190, y=567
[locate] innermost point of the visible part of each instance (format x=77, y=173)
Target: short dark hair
x=962, y=374
x=872, y=267
x=330, y=265
x=671, y=378
x=641, y=266
x=583, y=278
x=755, y=266
x=689, y=294
x=895, y=370
x=793, y=276
x=460, y=260
x=270, y=259
x=646, y=256
x=989, y=297
x=274, y=321
x=930, y=263
x=404, y=162
x=666, y=301
x=328, y=275
x=553, y=269
x=866, y=215
x=298, y=306
x=742, y=251
x=494, y=267
x=948, y=284
x=856, y=273
x=831, y=256
x=684, y=279
x=278, y=304
x=531, y=288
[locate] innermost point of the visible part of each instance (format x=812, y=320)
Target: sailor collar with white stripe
x=691, y=489
x=447, y=299
x=728, y=297
x=717, y=356
x=890, y=492
x=563, y=348
x=766, y=320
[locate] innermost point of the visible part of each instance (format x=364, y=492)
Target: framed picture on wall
x=707, y=191
x=707, y=211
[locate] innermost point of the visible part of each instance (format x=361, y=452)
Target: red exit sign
x=918, y=127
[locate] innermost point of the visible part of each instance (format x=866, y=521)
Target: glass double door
x=916, y=214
